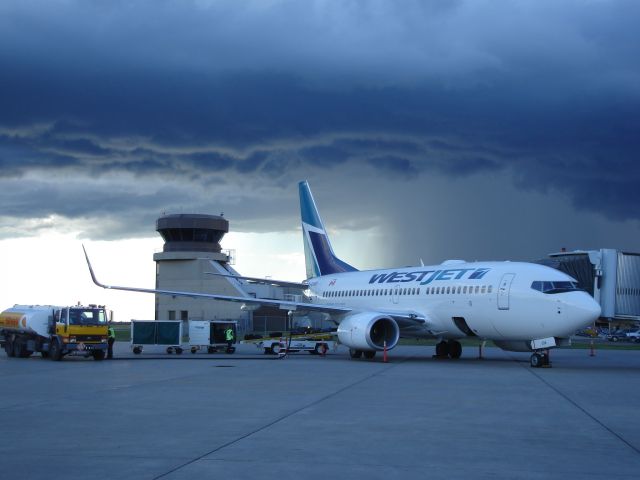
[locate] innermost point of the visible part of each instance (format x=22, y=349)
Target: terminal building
x=190, y=255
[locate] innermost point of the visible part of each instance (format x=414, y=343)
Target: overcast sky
x=473, y=129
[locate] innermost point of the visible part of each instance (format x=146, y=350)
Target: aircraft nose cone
x=584, y=311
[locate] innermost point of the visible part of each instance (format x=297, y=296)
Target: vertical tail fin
x=318, y=254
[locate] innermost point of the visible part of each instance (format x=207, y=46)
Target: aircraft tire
x=442, y=349
x=536, y=360
x=455, y=349
x=369, y=354
x=353, y=353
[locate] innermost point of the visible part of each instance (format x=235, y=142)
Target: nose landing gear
x=540, y=360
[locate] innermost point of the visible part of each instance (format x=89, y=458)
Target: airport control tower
x=190, y=254
x=191, y=251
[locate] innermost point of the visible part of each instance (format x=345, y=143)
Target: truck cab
x=79, y=330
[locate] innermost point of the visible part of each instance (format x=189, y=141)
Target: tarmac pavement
x=250, y=415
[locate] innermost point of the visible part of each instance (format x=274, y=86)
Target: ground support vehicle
x=54, y=331
x=281, y=346
x=211, y=335
x=156, y=332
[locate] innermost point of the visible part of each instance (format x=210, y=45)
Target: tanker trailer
x=54, y=331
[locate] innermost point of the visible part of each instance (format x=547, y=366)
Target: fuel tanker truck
x=54, y=331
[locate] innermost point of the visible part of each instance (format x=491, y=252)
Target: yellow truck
x=54, y=331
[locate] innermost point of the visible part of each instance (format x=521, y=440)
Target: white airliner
x=522, y=307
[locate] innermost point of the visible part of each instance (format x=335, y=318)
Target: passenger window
x=484, y=289
x=448, y=290
x=464, y=289
x=489, y=289
x=477, y=289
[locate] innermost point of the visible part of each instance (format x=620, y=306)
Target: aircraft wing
x=404, y=319
x=282, y=304
x=265, y=281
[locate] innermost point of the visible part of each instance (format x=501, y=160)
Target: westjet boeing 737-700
x=522, y=307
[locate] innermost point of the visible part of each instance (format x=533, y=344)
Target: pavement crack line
x=281, y=418
x=583, y=410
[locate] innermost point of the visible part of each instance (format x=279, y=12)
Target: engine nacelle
x=368, y=331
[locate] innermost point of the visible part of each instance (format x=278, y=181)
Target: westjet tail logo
x=427, y=276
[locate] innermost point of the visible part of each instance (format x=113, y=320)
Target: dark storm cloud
x=253, y=93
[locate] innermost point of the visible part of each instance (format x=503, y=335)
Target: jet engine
x=368, y=331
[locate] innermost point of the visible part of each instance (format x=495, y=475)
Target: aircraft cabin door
x=503, y=291
x=395, y=295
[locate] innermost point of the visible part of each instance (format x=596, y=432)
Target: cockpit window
x=555, y=287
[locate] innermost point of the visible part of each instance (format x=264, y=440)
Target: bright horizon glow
x=50, y=269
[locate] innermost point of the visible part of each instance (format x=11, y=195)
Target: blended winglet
x=93, y=275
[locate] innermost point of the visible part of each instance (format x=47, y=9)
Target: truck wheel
x=211, y=350
x=55, y=351
x=178, y=351
x=194, y=349
x=321, y=349
x=98, y=355
x=9, y=347
x=169, y=350
x=137, y=350
x=275, y=348
x=17, y=348
x=25, y=353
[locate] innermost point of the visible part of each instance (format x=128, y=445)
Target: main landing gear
x=540, y=359
x=448, y=349
x=368, y=354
